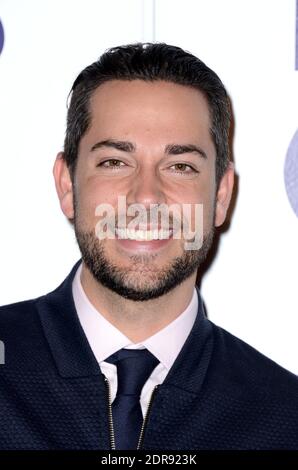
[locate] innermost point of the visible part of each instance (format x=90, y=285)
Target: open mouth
x=143, y=235
x=143, y=240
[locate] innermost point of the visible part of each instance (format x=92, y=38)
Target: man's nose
x=146, y=189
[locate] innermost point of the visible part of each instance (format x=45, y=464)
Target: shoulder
x=247, y=369
x=17, y=313
x=21, y=333
x=254, y=399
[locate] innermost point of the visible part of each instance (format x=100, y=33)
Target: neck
x=136, y=319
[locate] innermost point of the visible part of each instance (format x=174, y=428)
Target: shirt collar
x=105, y=339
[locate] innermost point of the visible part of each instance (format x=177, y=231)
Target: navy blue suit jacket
x=219, y=394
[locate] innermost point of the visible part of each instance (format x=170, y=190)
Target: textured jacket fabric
x=219, y=394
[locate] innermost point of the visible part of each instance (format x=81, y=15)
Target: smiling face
x=149, y=142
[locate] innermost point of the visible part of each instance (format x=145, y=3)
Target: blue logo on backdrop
x=1, y=37
x=291, y=173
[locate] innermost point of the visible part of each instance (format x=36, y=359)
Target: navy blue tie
x=134, y=366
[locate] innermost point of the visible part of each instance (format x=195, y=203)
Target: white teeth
x=143, y=235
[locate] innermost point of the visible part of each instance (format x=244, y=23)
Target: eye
x=182, y=166
x=114, y=163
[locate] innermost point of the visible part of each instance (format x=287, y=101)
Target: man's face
x=154, y=123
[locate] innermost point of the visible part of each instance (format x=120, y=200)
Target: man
x=121, y=355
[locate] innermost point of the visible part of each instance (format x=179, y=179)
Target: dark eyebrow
x=176, y=149
x=115, y=144
x=170, y=149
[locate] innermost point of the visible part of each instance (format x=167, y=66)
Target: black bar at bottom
x=137, y=459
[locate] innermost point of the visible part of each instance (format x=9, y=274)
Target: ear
x=63, y=185
x=224, y=194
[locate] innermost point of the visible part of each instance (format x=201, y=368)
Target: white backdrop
x=251, y=287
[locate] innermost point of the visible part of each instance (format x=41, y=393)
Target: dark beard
x=117, y=279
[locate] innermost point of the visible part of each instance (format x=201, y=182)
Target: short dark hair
x=148, y=62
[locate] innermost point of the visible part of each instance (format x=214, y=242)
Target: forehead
x=151, y=104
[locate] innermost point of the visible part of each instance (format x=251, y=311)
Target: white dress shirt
x=105, y=339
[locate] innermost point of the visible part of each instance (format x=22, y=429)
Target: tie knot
x=133, y=369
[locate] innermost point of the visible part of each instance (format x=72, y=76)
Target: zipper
x=141, y=438
x=111, y=425
x=110, y=414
